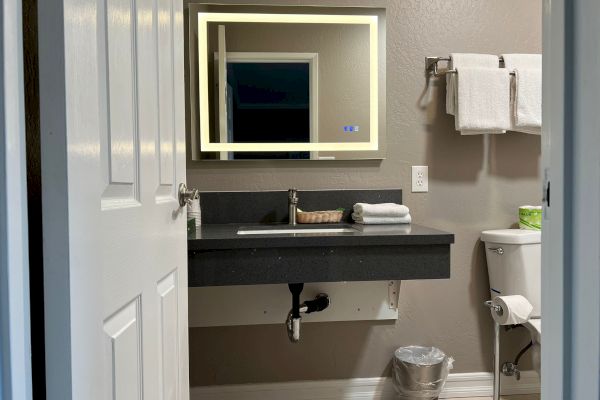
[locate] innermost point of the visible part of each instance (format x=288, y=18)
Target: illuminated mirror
x=305, y=85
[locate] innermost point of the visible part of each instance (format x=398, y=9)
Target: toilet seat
x=534, y=326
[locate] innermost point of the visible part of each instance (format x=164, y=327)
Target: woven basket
x=318, y=217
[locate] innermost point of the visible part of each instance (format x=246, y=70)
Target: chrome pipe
x=496, y=361
x=292, y=205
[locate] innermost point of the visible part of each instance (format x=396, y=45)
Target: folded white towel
x=398, y=229
x=526, y=92
x=483, y=97
x=528, y=98
x=478, y=95
x=382, y=220
x=380, y=210
x=464, y=60
x=517, y=61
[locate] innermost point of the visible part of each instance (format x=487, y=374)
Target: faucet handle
x=292, y=193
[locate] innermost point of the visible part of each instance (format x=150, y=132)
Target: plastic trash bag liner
x=420, y=372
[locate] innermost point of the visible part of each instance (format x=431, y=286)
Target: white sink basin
x=280, y=231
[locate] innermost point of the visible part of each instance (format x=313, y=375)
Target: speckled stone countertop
x=225, y=236
x=219, y=256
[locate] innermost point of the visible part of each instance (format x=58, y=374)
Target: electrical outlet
x=420, y=179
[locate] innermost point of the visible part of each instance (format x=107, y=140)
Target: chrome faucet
x=292, y=205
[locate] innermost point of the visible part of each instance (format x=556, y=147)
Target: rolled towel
x=382, y=220
x=516, y=309
x=380, y=210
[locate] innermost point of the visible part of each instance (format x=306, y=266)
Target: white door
x=113, y=154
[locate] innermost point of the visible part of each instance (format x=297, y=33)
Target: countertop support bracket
x=393, y=294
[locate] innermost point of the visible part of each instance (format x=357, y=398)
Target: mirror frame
x=200, y=14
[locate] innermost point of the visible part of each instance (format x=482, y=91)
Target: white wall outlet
x=420, y=178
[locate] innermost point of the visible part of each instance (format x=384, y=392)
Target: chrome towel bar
x=431, y=66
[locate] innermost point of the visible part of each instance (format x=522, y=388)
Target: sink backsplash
x=271, y=206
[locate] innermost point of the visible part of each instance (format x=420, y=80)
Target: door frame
x=571, y=235
x=312, y=59
x=567, y=335
x=15, y=341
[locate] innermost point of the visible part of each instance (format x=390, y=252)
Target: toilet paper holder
x=498, y=309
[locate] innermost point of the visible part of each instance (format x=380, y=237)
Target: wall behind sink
x=476, y=183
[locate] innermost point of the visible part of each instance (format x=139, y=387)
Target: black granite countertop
x=218, y=255
x=225, y=236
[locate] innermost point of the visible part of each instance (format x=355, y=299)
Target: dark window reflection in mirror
x=268, y=102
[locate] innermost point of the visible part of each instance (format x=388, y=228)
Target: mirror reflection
x=287, y=86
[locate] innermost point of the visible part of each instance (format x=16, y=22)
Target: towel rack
x=431, y=66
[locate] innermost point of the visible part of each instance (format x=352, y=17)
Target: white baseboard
x=458, y=385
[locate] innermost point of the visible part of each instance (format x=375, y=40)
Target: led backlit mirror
x=301, y=83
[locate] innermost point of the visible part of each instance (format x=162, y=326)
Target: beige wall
x=476, y=183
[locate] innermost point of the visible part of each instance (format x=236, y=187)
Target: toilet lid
x=511, y=236
x=535, y=327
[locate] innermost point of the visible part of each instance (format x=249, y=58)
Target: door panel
x=115, y=241
x=166, y=81
x=117, y=66
x=124, y=343
x=169, y=349
x=122, y=98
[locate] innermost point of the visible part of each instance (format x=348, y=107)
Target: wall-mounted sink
x=280, y=230
x=245, y=239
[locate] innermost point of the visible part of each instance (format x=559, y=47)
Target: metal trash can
x=420, y=372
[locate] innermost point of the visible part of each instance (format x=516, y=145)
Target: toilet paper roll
x=515, y=309
x=530, y=217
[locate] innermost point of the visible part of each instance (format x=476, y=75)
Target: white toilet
x=514, y=259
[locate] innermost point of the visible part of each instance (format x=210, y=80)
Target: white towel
x=483, y=98
x=397, y=229
x=526, y=92
x=528, y=99
x=516, y=61
x=464, y=60
x=380, y=210
x=478, y=94
x=382, y=220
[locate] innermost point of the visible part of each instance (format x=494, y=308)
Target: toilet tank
x=514, y=258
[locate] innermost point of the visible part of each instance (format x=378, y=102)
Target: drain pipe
x=292, y=323
x=293, y=318
x=512, y=369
